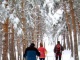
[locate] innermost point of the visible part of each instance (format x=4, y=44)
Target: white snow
x=66, y=54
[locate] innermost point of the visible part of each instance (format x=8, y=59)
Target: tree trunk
x=69, y=28
x=68, y=40
x=64, y=41
x=74, y=30
x=5, y=42
x=23, y=21
x=11, y=42
x=1, y=33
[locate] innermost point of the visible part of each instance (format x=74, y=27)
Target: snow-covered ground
x=51, y=56
x=66, y=54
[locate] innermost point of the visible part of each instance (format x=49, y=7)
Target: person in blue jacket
x=31, y=52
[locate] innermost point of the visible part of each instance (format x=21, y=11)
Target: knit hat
x=32, y=45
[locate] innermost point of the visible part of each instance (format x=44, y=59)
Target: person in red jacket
x=42, y=51
x=58, y=50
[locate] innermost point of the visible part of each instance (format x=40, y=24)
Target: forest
x=26, y=21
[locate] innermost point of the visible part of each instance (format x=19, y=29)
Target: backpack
x=58, y=48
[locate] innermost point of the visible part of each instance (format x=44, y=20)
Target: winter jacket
x=61, y=49
x=42, y=51
x=31, y=53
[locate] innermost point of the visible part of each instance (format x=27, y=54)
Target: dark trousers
x=58, y=57
x=41, y=58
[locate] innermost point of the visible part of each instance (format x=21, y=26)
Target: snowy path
x=51, y=56
x=65, y=55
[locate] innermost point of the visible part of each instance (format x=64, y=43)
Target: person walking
x=58, y=50
x=42, y=51
x=31, y=52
